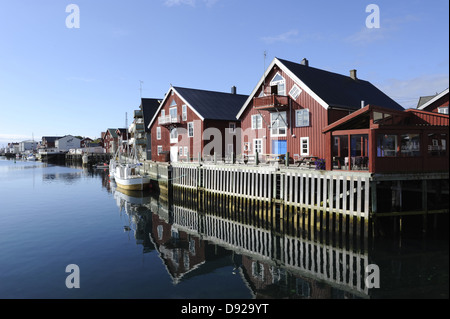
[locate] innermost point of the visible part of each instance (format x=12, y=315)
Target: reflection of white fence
x=345, y=193
x=334, y=265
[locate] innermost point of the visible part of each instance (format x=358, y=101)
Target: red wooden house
x=111, y=140
x=436, y=103
x=381, y=140
x=293, y=102
x=189, y=122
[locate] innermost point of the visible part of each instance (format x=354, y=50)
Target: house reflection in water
x=273, y=262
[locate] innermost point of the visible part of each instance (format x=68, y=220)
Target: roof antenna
x=126, y=120
x=140, y=87
x=264, y=82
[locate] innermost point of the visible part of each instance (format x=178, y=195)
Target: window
x=443, y=110
x=184, y=112
x=304, y=146
x=257, y=146
x=278, y=85
x=158, y=133
x=163, y=113
x=295, y=92
x=230, y=149
x=386, y=145
x=278, y=124
x=159, y=149
x=232, y=128
x=247, y=147
x=256, y=122
x=180, y=151
x=302, y=118
x=173, y=113
x=186, y=151
x=410, y=144
x=174, y=135
x=437, y=144
x=190, y=129
x=174, y=103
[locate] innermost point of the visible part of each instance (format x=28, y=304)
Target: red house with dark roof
x=435, y=103
x=293, y=102
x=190, y=122
x=382, y=140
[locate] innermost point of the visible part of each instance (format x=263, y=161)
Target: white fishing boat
x=31, y=158
x=127, y=177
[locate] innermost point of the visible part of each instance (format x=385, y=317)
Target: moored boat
x=127, y=177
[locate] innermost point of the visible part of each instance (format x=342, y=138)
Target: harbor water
x=141, y=245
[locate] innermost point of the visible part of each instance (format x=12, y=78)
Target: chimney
x=233, y=90
x=353, y=74
x=305, y=62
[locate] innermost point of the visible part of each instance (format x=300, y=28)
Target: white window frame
x=186, y=149
x=190, y=124
x=230, y=148
x=180, y=151
x=303, y=139
x=295, y=91
x=259, y=148
x=304, y=122
x=163, y=113
x=256, y=124
x=159, y=149
x=231, y=127
x=174, y=140
x=278, y=82
x=443, y=110
x=176, y=112
x=279, y=121
x=158, y=132
x=184, y=112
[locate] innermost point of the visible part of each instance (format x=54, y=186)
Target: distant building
x=435, y=103
x=139, y=131
x=49, y=141
x=112, y=137
x=64, y=144
x=28, y=146
x=85, y=142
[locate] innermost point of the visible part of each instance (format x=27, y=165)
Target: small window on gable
x=278, y=85
x=174, y=103
x=295, y=92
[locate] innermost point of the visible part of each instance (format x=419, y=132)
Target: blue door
x=279, y=147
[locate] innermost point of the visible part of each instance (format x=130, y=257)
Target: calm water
x=139, y=246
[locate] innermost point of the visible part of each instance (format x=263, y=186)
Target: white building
x=64, y=144
x=28, y=146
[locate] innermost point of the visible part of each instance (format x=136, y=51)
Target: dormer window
x=278, y=85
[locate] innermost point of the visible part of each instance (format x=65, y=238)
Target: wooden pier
x=92, y=158
x=339, y=200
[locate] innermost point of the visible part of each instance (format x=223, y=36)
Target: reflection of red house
x=382, y=140
x=436, y=103
x=292, y=103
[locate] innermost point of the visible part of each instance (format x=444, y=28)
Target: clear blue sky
x=57, y=81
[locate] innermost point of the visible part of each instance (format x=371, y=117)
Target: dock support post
x=424, y=204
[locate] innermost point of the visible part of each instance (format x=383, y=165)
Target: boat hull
x=137, y=183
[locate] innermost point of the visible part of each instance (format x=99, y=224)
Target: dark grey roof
x=149, y=108
x=213, y=105
x=425, y=99
x=340, y=90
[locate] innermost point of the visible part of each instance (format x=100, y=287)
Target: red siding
x=319, y=118
x=433, y=107
x=195, y=144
